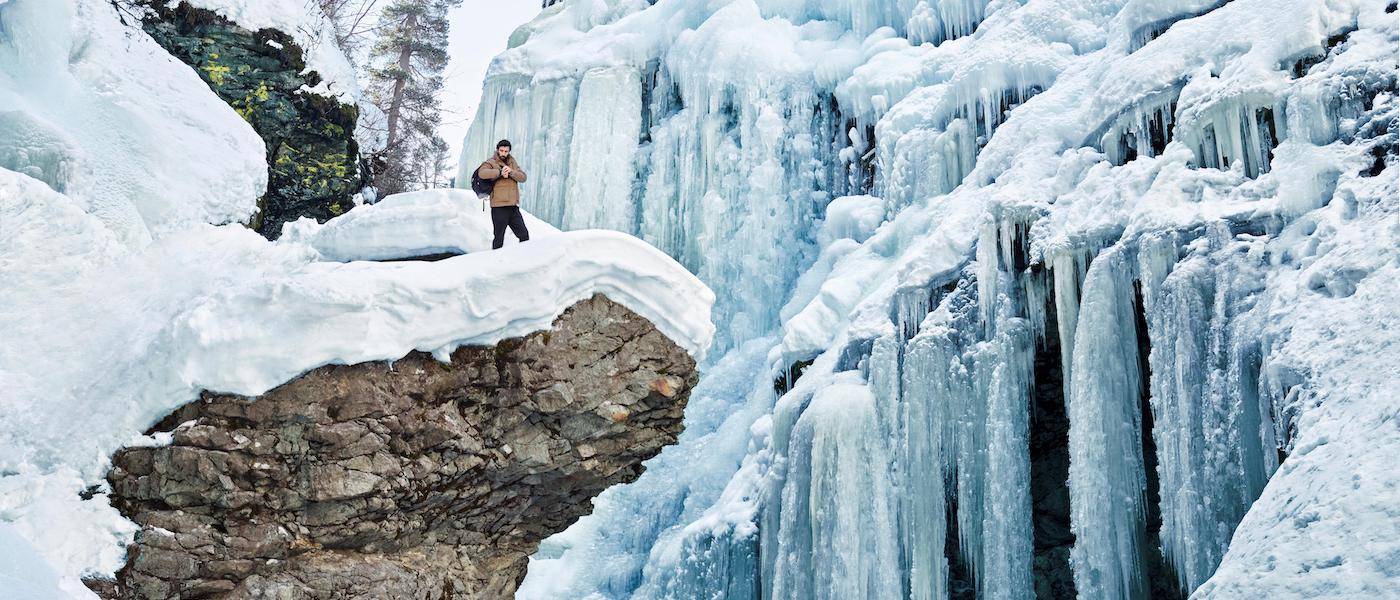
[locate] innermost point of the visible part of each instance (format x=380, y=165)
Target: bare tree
x=353, y=20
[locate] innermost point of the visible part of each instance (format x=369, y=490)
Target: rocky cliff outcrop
x=312, y=156
x=417, y=479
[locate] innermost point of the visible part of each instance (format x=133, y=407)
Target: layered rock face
x=312, y=156
x=417, y=479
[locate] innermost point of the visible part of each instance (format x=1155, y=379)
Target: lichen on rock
x=416, y=479
x=313, y=159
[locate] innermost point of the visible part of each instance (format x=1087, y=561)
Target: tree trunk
x=400, y=82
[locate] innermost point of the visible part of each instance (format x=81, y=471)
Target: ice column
x=1004, y=369
x=837, y=528
x=1106, y=476
x=603, y=154
x=933, y=373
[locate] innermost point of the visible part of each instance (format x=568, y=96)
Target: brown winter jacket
x=506, y=190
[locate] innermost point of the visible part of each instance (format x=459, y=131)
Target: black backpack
x=482, y=187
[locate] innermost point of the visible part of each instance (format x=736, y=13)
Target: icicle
x=1068, y=268
x=1144, y=130
x=1004, y=370
x=1208, y=425
x=930, y=367
x=1106, y=466
x=988, y=275
x=1236, y=131
x=837, y=537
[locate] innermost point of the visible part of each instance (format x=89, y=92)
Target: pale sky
x=480, y=29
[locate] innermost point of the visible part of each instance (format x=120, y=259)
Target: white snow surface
x=23, y=575
x=99, y=111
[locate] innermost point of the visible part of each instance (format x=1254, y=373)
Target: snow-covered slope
x=1103, y=331
x=101, y=113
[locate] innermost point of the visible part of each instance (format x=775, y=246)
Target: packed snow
x=1188, y=208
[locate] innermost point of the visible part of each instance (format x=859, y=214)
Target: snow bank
x=23, y=575
x=411, y=225
x=97, y=110
x=359, y=312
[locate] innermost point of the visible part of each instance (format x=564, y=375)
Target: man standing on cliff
x=506, y=175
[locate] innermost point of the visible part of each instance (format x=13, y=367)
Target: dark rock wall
x=313, y=160
x=419, y=479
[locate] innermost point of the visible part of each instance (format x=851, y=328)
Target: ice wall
x=1073, y=356
x=719, y=149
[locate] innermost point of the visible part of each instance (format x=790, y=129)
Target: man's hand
x=505, y=172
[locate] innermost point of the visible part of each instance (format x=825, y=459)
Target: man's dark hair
x=503, y=144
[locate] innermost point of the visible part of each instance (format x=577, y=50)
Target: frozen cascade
x=1107, y=476
x=1113, y=272
x=833, y=548
x=601, y=169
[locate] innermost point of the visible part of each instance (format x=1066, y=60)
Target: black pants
x=507, y=216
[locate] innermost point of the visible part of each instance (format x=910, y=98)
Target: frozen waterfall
x=1010, y=295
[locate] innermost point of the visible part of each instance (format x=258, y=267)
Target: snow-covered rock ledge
x=403, y=226
x=248, y=341
x=109, y=339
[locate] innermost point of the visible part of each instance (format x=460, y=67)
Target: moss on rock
x=313, y=160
